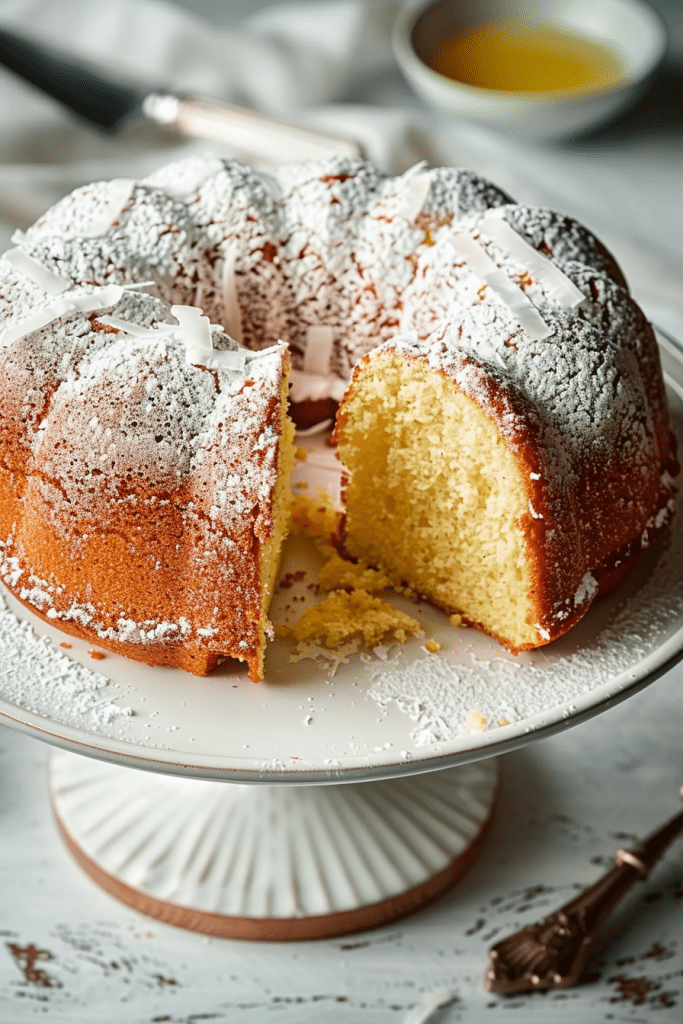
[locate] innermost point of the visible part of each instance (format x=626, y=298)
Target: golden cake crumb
x=338, y=574
x=316, y=519
x=503, y=721
x=476, y=722
x=349, y=617
x=301, y=454
x=353, y=618
x=97, y=655
x=447, y=522
x=455, y=620
x=433, y=646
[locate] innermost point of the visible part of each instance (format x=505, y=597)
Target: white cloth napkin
x=328, y=63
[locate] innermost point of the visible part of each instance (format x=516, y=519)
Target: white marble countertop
x=69, y=952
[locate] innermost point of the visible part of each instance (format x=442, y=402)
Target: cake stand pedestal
x=271, y=861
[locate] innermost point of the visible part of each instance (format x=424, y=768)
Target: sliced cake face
x=535, y=455
x=144, y=496
x=434, y=497
x=270, y=548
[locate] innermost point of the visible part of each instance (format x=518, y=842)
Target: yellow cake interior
x=435, y=498
x=271, y=549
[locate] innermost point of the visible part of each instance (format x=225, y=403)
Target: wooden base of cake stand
x=271, y=862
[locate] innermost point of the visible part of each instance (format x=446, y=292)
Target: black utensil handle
x=94, y=98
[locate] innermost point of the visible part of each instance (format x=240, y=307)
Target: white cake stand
x=316, y=804
x=271, y=861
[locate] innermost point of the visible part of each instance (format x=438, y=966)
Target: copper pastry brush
x=553, y=953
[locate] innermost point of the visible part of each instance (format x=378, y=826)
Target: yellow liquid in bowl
x=526, y=57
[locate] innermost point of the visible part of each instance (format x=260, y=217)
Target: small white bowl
x=630, y=28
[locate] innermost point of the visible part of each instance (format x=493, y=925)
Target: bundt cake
x=506, y=421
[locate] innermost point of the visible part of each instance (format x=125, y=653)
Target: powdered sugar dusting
x=332, y=244
x=351, y=243
x=150, y=236
x=586, y=590
x=37, y=677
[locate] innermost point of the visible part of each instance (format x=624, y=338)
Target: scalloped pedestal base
x=271, y=862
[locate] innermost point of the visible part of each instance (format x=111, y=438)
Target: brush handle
x=87, y=94
x=553, y=952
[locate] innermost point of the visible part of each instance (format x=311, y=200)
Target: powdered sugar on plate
x=37, y=677
x=440, y=695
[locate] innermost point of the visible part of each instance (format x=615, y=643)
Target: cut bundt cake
x=505, y=433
